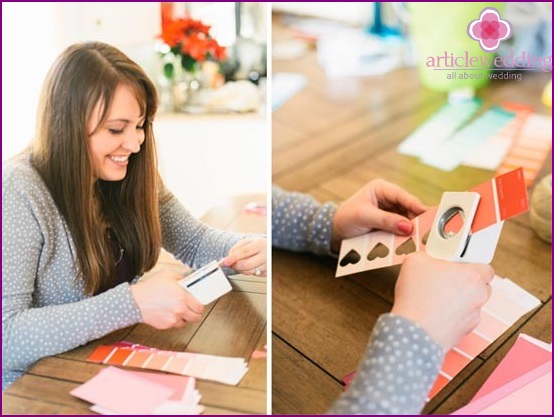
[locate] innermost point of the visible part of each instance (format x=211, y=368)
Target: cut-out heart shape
x=378, y=251
x=425, y=237
x=406, y=247
x=352, y=257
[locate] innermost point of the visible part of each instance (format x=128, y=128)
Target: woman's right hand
x=163, y=303
x=445, y=298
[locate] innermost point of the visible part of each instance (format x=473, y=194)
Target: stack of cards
x=490, y=154
x=452, y=152
x=439, y=127
x=531, y=147
x=498, y=140
x=215, y=368
x=114, y=391
x=521, y=383
x=507, y=304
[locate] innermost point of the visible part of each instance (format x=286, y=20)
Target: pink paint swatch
x=529, y=394
x=525, y=355
x=123, y=392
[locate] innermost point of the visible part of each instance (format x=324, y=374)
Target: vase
x=185, y=90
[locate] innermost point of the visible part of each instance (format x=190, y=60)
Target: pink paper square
x=123, y=392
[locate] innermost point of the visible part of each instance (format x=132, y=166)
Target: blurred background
x=208, y=61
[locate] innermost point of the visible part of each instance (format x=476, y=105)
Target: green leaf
x=169, y=71
x=188, y=63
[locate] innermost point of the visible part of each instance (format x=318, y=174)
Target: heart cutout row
x=380, y=250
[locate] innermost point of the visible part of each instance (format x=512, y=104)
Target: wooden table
x=234, y=325
x=328, y=141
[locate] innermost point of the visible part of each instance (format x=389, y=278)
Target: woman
x=85, y=214
x=436, y=302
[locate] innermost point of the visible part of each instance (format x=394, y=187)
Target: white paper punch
x=461, y=246
x=207, y=284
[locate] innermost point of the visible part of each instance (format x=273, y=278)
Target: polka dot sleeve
x=300, y=223
x=398, y=370
x=188, y=239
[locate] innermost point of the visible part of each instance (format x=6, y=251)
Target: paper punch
x=207, y=284
x=461, y=245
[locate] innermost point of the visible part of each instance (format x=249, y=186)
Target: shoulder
x=21, y=179
x=19, y=171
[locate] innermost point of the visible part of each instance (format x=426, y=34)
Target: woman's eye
x=116, y=131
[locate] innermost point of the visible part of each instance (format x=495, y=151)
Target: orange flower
x=191, y=39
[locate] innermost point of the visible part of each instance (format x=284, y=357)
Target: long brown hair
x=86, y=74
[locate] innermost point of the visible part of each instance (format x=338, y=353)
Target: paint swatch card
x=122, y=392
x=528, y=394
x=490, y=154
x=453, y=151
x=207, y=284
x=531, y=147
x=184, y=401
x=439, y=127
x=507, y=304
x=215, y=368
x=501, y=198
x=526, y=354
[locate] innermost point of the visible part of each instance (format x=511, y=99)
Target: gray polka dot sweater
x=44, y=309
x=401, y=361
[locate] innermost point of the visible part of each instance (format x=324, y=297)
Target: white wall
x=207, y=158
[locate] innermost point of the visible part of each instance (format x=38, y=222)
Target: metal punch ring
x=445, y=218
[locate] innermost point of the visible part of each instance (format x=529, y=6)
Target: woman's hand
x=445, y=298
x=248, y=256
x=163, y=303
x=377, y=205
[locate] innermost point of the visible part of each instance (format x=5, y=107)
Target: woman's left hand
x=248, y=256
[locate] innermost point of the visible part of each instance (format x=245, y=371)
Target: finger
x=180, y=323
x=246, y=251
x=395, y=195
x=240, y=244
x=485, y=271
x=385, y=220
x=191, y=316
x=193, y=304
x=235, y=253
x=258, y=260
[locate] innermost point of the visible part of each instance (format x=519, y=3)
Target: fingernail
x=405, y=227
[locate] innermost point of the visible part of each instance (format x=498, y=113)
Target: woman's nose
x=132, y=142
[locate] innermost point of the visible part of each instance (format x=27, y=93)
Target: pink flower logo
x=489, y=29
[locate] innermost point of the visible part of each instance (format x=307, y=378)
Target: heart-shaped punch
x=378, y=251
x=352, y=257
x=406, y=247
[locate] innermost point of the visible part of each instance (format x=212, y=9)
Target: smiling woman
x=85, y=213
